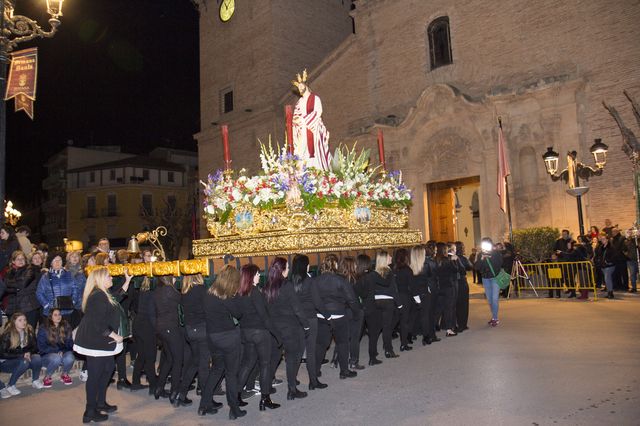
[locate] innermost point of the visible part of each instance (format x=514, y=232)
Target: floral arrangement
x=285, y=179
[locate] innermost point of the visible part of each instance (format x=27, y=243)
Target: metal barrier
x=554, y=276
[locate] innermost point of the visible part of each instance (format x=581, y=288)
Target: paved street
x=549, y=362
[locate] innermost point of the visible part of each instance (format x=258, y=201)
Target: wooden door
x=442, y=214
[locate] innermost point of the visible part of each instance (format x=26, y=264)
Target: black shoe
x=107, y=408
x=137, y=386
x=395, y=335
x=94, y=416
x=633, y=290
x=355, y=366
x=348, y=374
x=246, y=394
x=234, y=413
x=203, y=411
x=181, y=401
x=217, y=405
x=161, y=393
x=272, y=390
x=391, y=354
x=325, y=361
x=374, y=361
x=317, y=385
x=405, y=348
x=291, y=395
x=426, y=341
x=610, y=295
x=241, y=403
x=123, y=384
x=277, y=381
x=266, y=402
x=435, y=339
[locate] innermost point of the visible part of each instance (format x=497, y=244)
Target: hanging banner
x=21, y=85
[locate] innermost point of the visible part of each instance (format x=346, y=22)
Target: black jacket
x=286, y=307
x=605, y=256
x=166, y=300
x=219, y=313
x=21, y=288
x=309, y=298
x=385, y=286
x=99, y=320
x=253, y=312
x=446, y=273
x=7, y=353
x=335, y=293
x=403, y=279
x=495, y=257
x=371, y=284
x=193, y=305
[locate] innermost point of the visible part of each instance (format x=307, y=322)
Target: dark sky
x=118, y=72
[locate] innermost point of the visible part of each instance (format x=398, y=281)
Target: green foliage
x=312, y=203
x=348, y=163
x=535, y=244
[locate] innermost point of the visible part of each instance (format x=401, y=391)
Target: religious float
x=305, y=200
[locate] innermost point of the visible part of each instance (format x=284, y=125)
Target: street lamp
x=12, y=216
x=575, y=171
x=16, y=29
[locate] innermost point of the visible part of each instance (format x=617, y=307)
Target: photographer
x=489, y=266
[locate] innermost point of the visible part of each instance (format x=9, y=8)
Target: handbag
x=64, y=303
x=503, y=279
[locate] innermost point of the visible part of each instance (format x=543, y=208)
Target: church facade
x=435, y=76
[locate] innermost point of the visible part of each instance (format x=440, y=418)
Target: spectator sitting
x=18, y=354
x=56, y=347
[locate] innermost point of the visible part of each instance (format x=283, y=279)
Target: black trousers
x=621, y=276
x=446, y=297
x=293, y=342
x=355, y=323
x=256, y=346
x=404, y=317
x=145, y=337
x=425, y=315
x=121, y=362
x=198, y=362
x=225, y=350
x=339, y=328
x=462, y=305
x=310, y=343
x=388, y=307
x=99, y=369
x=373, y=318
x=172, y=340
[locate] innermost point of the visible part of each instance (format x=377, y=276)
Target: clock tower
x=249, y=52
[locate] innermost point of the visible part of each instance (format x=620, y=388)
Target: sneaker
x=47, y=382
x=495, y=322
x=84, y=375
x=37, y=384
x=66, y=379
x=13, y=390
x=4, y=393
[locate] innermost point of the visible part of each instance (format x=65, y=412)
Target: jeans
x=225, y=350
x=17, y=367
x=199, y=360
x=340, y=329
x=632, y=265
x=54, y=360
x=609, y=273
x=257, y=347
x=492, y=291
x=100, y=369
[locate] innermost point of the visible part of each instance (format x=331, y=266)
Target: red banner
x=23, y=79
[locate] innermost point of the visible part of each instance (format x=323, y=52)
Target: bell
x=133, y=247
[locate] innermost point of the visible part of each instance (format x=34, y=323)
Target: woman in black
x=289, y=320
x=307, y=293
x=403, y=279
x=22, y=282
x=256, y=328
x=336, y=294
x=166, y=300
x=446, y=272
x=386, y=294
x=99, y=338
x=349, y=270
x=224, y=341
x=365, y=290
x=193, y=294
x=144, y=334
x=462, y=299
x=421, y=291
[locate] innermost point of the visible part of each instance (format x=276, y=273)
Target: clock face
x=226, y=9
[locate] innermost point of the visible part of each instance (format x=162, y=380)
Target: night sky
x=118, y=72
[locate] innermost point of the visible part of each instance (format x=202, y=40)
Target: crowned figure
x=310, y=136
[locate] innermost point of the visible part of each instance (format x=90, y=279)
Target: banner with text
x=23, y=76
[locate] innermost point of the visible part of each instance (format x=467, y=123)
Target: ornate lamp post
x=575, y=171
x=16, y=29
x=11, y=215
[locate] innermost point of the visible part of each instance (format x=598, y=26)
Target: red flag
x=503, y=171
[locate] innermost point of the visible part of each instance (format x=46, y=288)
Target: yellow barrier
x=555, y=276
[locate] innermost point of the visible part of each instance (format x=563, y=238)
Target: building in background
x=435, y=76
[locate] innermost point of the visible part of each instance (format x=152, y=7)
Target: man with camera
x=489, y=266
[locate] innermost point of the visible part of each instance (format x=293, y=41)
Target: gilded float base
x=305, y=241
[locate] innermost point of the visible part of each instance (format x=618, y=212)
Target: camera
x=486, y=247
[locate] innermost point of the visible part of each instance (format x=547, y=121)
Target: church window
x=227, y=100
x=439, y=42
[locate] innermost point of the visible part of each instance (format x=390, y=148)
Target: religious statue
x=310, y=136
